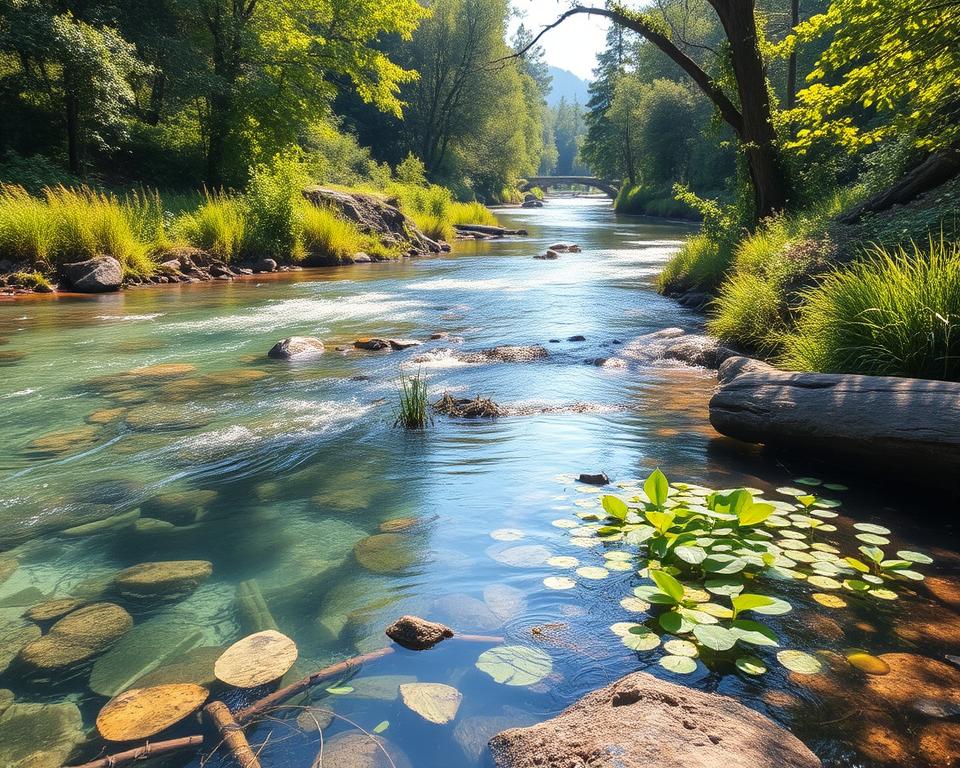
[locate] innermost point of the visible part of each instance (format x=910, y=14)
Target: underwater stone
x=14, y=636
x=6, y=699
x=39, y=735
x=599, y=478
x=53, y=609
x=296, y=348
x=179, y=507
x=78, y=637
x=353, y=749
x=914, y=677
x=124, y=520
x=417, y=634
x=385, y=552
x=163, y=578
x=7, y=566
x=63, y=442
x=194, y=666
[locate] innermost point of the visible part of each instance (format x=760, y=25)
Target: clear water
x=303, y=464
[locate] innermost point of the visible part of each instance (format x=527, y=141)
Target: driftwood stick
x=156, y=749
x=335, y=670
x=232, y=734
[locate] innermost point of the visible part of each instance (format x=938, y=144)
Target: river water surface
x=292, y=482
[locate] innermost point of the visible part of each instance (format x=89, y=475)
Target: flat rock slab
x=885, y=419
x=161, y=578
x=643, y=722
x=296, y=348
x=77, y=637
x=39, y=735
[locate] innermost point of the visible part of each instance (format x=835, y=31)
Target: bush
x=274, y=208
x=647, y=201
x=218, y=226
x=895, y=314
x=33, y=173
x=27, y=230
x=33, y=280
x=327, y=236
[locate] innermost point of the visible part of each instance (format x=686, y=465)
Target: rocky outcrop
x=677, y=344
x=884, y=419
x=643, y=722
x=550, y=255
x=417, y=634
x=265, y=265
x=565, y=248
x=296, y=348
x=100, y=274
x=374, y=216
x=506, y=353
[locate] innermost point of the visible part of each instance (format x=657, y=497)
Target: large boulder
x=97, y=275
x=296, y=348
x=641, y=721
x=77, y=637
x=677, y=344
x=879, y=419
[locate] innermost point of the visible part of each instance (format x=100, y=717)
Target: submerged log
x=254, y=612
x=232, y=734
x=147, y=751
x=880, y=419
x=486, y=229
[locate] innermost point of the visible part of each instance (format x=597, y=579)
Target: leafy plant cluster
x=715, y=559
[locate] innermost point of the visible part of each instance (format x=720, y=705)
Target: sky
x=573, y=45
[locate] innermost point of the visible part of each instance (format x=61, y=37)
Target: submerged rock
x=913, y=677
x=598, y=478
x=643, y=722
x=386, y=552
x=373, y=345
x=97, y=275
x=565, y=248
x=417, y=634
x=296, y=348
x=163, y=578
x=163, y=418
x=179, y=507
x=7, y=567
x=14, y=635
x=500, y=354
x=39, y=735
x=550, y=255
x=78, y=637
x=353, y=749
x=53, y=609
x=398, y=344
x=64, y=442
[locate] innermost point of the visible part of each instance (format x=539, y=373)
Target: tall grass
x=435, y=212
x=700, y=264
x=327, y=236
x=412, y=413
x=896, y=313
x=218, y=225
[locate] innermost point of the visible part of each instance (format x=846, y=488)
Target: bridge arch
x=610, y=188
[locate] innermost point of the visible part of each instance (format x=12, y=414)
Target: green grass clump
x=27, y=230
x=412, y=413
x=435, y=212
x=649, y=201
x=896, y=313
x=34, y=280
x=218, y=226
x=700, y=264
x=472, y=213
x=327, y=236
x=749, y=312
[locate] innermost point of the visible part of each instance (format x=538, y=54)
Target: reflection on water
x=149, y=426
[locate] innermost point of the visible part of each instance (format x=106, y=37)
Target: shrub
x=471, y=213
x=328, y=236
x=33, y=173
x=895, y=313
x=700, y=263
x=749, y=311
x=218, y=226
x=644, y=200
x=274, y=208
x=33, y=280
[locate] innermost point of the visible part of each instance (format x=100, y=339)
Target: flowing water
x=150, y=426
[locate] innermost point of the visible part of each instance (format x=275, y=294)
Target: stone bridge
x=611, y=188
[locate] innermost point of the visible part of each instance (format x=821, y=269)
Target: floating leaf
x=871, y=528
x=725, y=564
x=593, y=572
x=679, y=665
x=872, y=538
x=691, y=555
x=651, y=594
x=381, y=726
x=754, y=633
x=340, y=690
x=506, y=534
x=829, y=601
x=668, y=584
x=640, y=638
x=857, y=564
x=618, y=555
x=914, y=557
x=615, y=507
x=856, y=585
x=564, y=523
x=715, y=637
x=824, y=582
x=619, y=565
x=748, y=602
x=563, y=561
x=754, y=514
x=434, y=702
x=515, y=664
x=883, y=594
x=800, y=662
x=789, y=491
x=908, y=574
x=678, y=647
x=751, y=665
x=675, y=623
x=731, y=586
x=716, y=610
x=866, y=662
x=559, y=582
x=635, y=604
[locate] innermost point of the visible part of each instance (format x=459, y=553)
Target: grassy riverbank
x=270, y=218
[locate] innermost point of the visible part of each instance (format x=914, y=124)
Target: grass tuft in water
x=413, y=412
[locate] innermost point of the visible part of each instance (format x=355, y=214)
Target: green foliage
x=650, y=201
x=700, y=264
x=218, y=226
x=412, y=171
x=327, y=237
x=412, y=413
x=33, y=173
x=895, y=313
x=34, y=280
x=273, y=207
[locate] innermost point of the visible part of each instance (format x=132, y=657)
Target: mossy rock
x=8, y=357
x=14, y=636
x=179, y=507
x=77, y=637
x=398, y=524
x=163, y=578
x=130, y=397
x=237, y=377
x=124, y=520
x=161, y=372
x=53, y=609
x=106, y=416
x=352, y=749
x=39, y=735
x=386, y=552
x=7, y=567
x=64, y=442
x=163, y=418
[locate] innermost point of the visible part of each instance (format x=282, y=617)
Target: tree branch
x=711, y=89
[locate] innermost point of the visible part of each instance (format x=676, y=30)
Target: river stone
x=163, y=418
x=314, y=718
x=434, y=702
x=39, y=735
x=914, y=677
x=194, y=666
x=163, y=578
x=398, y=524
x=140, y=713
x=399, y=344
x=63, y=442
x=105, y=416
x=643, y=722
x=417, y=634
x=97, y=275
x=152, y=374
x=379, y=687
x=353, y=749
x=265, y=265
x=940, y=743
x=53, y=609
x=372, y=344
x=236, y=377
x=6, y=699
x=7, y=566
x=473, y=733
x=14, y=635
x=78, y=637
x=946, y=589
x=124, y=520
x=179, y=507
x=504, y=601
x=146, y=648
x=386, y=552
x=296, y=348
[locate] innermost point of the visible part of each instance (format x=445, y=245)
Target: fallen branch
x=232, y=734
x=156, y=749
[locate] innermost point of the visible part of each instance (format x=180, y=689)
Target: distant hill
x=568, y=86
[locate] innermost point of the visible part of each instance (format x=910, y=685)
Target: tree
x=748, y=111
x=569, y=129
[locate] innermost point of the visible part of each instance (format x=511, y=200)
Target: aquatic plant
x=714, y=560
x=413, y=413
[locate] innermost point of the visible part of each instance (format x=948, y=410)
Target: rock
x=163, y=578
x=218, y=269
x=466, y=613
x=565, y=248
x=7, y=567
x=946, y=589
x=385, y=552
x=371, y=344
x=504, y=601
x=361, y=258
x=398, y=344
x=39, y=735
x=179, y=507
x=550, y=255
x=599, y=478
x=465, y=408
x=488, y=230
x=877, y=419
x=676, y=344
x=53, y=609
x=164, y=418
x=643, y=722
x=913, y=677
x=578, y=337
x=96, y=275
x=14, y=635
x=501, y=354
x=77, y=637
x=63, y=442
x=140, y=713
x=105, y=416
x=534, y=203
x=417, y=634
x=114, y=522
x=473, y=733
x=296, y=348
x=6, y=699
x=940, y=743
x=352, y=749
x=265, y=265
x=398, y=524
x=171, y=267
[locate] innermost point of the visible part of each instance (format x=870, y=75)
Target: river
x=276, y=473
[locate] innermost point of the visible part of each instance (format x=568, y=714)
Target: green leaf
x=915, y=557
x=751, y=665
x=858, y=565
x=340, y=690
x=724, y=586
x=651, y=594
x=640, y=638
x=754, y=633
x=615, y=507
x=747, y=602
x=691, y=555
x=800, y=662
x=675, y=623
x=668, y=585
x=660, y=520
x=725, y=564
x=679, y=665
x=515, y=664
x=873, y=553
x=755, y=514
x=715, y=637
x=657, y=488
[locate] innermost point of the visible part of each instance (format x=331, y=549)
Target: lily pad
x=829, y=601
x=640, y=638
x=563, y=561
x=515, y=664
x=871, y=528
x=506, y=534
x=678, y=647
x=559, y=582
x=679, y=665
x=800, y=662
x=751, y=665
x=593, y=572
x=143, y=712
x=256, y=659
x=914, y=557
x=635, y=604
x=715, y=637
x=434, y=702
